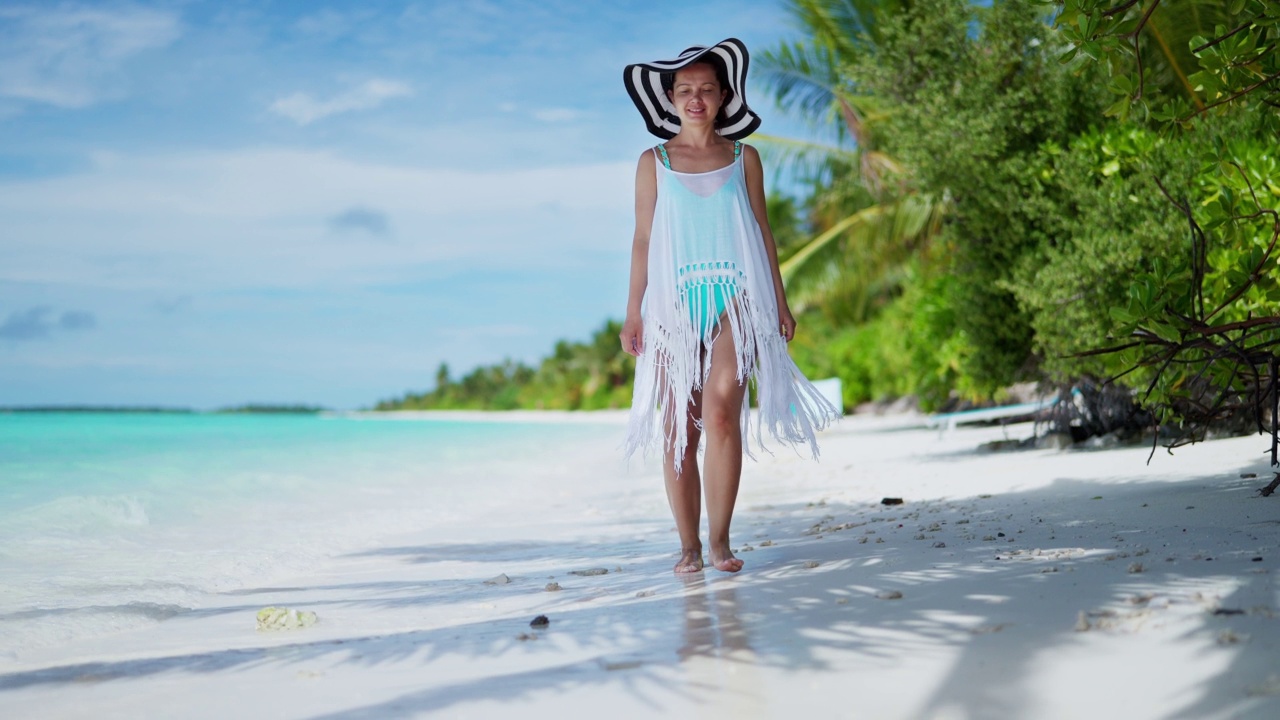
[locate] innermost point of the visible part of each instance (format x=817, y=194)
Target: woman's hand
x=632, y=335
x=786, y=322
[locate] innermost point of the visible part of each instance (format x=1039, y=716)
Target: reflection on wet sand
x=711, y=624
x=717, y=650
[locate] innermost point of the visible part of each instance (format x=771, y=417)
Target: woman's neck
x=697, y=137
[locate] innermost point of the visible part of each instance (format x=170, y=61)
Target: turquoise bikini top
x=662, y=150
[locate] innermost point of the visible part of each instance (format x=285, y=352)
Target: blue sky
x=211, y=203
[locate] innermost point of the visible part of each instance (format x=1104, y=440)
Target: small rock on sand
x=811, y=563
x=766, y=543
x=1227, y=637
x=645, y=593
x=1135, y=568
x=590, y=572
x=552, y=587
x=889, y=595
x=891, y=501
x=500, y=580
x=539, y=622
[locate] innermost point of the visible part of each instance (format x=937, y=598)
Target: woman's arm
x=632, y=335
x=755, y=192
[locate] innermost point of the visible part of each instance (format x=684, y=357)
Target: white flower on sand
x=278, y=618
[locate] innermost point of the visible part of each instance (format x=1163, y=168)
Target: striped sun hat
x=644, y=85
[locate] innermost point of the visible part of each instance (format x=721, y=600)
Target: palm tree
x=867, y=229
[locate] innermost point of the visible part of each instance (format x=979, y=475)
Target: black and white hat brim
x=644, y=85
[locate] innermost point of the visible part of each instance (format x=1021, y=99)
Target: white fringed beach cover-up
x=705, y=241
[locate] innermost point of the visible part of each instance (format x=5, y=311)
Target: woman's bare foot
x=690, y=561
x=724, y=561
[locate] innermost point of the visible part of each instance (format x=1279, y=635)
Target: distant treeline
x=137, y=409
x=93, y=409
x=272, y=409
x=593, y=375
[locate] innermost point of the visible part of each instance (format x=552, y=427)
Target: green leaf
x=1122, y=315
x=1165, y=331
x=1118, y=109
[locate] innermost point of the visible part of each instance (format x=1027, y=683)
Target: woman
x=706, y=311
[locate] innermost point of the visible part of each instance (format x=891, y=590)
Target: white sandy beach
x=1022, y=584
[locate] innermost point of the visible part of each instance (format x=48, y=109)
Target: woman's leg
x=722, y=399
x=684, y=491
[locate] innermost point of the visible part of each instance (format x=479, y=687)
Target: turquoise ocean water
x=117, y=516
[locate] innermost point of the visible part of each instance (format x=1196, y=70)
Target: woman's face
x=697, y=94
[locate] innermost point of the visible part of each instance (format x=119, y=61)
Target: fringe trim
x=677, y=362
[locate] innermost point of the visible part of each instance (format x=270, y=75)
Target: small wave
x=33, y=628
x=146, y=610
x=82, y=513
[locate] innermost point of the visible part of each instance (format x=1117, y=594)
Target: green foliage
x=577, y=376
x=1172, y=61
x=1199, y=327
x=969, y=112
x=1115, y=225
x=910, y=348
x=1204, y=323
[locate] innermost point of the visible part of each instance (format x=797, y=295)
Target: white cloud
x=305, y=109
x=213, y=220
x=72, y=56
x=555, y=115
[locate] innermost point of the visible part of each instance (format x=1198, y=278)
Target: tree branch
x=1221, y=38
x=1245, y=91
x=1120, y=8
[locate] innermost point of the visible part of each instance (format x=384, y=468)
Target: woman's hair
x=722, y=77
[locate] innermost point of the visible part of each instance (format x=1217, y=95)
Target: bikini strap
x=737, y=149
x=662, y=151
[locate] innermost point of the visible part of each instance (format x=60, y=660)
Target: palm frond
x=803, y=78
x=826, y=238
x=856, y=263
x=811, y=160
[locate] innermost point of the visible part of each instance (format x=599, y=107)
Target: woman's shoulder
x=647, y=156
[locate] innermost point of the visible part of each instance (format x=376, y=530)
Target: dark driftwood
x=1271, y=487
